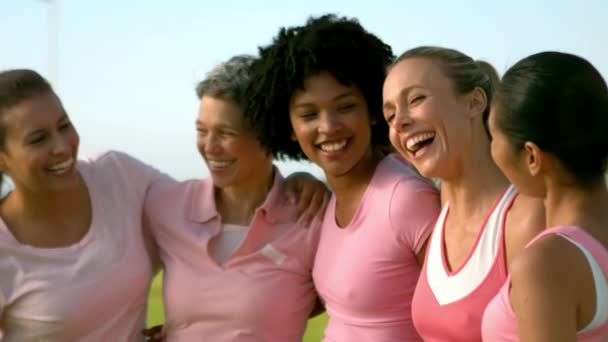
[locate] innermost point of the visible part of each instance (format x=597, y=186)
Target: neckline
x=352, y=225
x=444, y=260
x=72, y=247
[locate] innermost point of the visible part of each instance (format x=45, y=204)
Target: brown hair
x=17, y=86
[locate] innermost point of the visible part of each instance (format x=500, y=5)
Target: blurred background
x=126, y=70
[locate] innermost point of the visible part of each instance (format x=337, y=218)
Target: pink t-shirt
x=262, y=292
x=499, y=320
x=96, y=289
x=366, y=272
x=448, y=304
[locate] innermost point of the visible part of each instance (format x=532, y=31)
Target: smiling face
x=41, y=145
x=429, y=123
x=331, y=122
x=232, y=153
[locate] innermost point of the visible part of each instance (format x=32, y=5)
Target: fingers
x=309, y=195
x=154, y=334
x=311, y=210
x=293, y=186
x=306, y=195
x=292, y=197
x=316, y=208
x=326, y=198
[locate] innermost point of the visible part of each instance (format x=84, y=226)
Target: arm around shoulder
x=140, y=171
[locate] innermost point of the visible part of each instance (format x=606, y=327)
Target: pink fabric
x=262, y=292
x=499, y=320
x=458, y=321
x=366, y=272
x=95, y=290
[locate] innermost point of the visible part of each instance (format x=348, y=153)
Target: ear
x=293, y=136
x=478, y=101
x=534, y=158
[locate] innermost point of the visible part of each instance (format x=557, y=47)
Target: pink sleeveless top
x=499, y=320
x=448, y=305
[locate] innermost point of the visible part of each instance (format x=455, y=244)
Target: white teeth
x=218, y=164
x=333, y=146
x=413, y=141
x=63, y=166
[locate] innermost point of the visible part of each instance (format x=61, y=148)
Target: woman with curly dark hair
x=316, y=92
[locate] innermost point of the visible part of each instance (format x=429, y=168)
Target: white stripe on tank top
x=601, y=288
x=451, y=288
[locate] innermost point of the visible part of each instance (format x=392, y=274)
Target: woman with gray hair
x=75, y=263
x=237, y=260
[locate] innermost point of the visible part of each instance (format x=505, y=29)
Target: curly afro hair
x=338, y=45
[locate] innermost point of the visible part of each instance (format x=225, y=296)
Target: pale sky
x=126, y=70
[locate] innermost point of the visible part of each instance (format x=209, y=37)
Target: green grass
x=314, y=331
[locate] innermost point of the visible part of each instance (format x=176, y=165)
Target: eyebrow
x=341, y=96
x=221, y=125
x=402, y=92
x=41, y=130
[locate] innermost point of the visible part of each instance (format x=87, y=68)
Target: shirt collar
x=275, y=208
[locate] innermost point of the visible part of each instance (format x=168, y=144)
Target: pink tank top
x=448, y=305
x=499, y=320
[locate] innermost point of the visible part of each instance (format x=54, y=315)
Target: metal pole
x=53, y=41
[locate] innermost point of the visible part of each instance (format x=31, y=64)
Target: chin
x=220, y=184
x=428, y=171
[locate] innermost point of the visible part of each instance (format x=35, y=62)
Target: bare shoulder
x=551, y=254
x=524, y=221
x=550, y=265
x=546, y=289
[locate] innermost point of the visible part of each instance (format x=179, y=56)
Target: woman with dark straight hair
x=549, y=130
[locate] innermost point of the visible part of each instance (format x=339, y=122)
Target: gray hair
x=227, y=80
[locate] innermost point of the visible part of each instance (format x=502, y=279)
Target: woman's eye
x=65, y=126
x=416, y=99
x=307, y=115
x=346, y=107
x=37, y=140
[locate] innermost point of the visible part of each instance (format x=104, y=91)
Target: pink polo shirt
x=264, y=289
x=96, y=289
x=366, y=272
